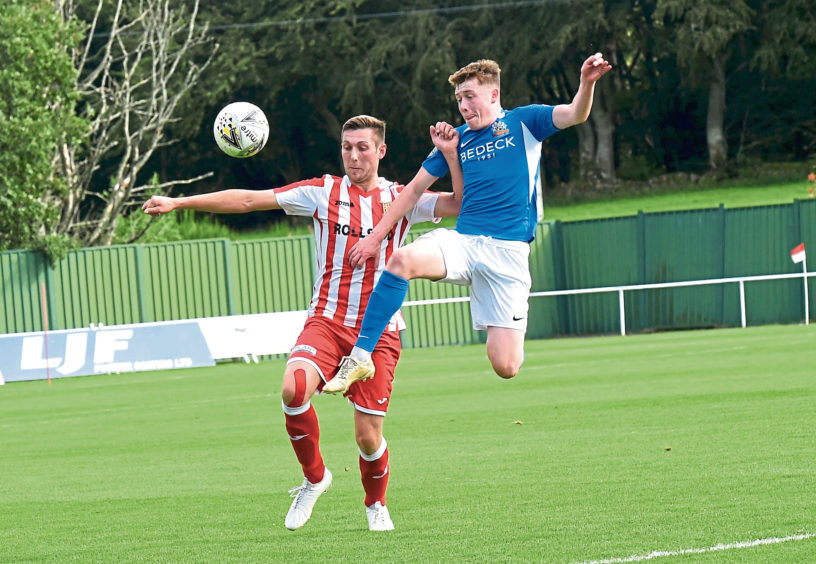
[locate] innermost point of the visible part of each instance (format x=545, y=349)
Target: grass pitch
x=601, y=449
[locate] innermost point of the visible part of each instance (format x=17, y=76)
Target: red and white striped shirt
x=343, y=213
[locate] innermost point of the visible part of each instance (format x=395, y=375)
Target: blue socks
x=385, y=301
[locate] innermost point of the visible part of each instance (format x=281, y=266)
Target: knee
x=400, y=264
x=293, y=390
x=288, y=393
x=368, y=441
x=505, y=363
x=506, y=368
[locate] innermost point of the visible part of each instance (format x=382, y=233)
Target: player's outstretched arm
x=224, y=201
x=577, y=111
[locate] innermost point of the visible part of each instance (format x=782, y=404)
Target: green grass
x=602, y=447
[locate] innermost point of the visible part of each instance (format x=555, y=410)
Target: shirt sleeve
x=435, y=163
x=301, y=198
x=424, y=209
x=538, y=119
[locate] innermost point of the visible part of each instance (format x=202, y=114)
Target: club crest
x=499, y=128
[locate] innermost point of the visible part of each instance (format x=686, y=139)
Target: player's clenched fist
x=444, y=136
x=158, y=205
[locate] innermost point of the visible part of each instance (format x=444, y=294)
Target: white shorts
x=497, y=271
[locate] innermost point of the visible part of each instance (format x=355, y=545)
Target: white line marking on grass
x=715, y=548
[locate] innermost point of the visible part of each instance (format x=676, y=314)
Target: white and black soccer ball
x=241, y=129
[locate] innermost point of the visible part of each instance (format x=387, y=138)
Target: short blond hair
x=366, y=122
x=485, y=71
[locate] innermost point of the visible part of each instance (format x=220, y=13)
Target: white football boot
x=351, y=370
x=378, y=518
x=305, y=499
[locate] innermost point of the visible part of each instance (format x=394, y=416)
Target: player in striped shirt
x=344, y=210
x=500, y=153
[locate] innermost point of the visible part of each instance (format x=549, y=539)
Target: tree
x=705, y=35
x=777, y=117
x=544, y=68
x=130, y=80
x=312, y=63
x=37, y=99
x=292, y=66
x=579, y=26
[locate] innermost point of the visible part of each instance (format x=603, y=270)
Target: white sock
x=360, y=355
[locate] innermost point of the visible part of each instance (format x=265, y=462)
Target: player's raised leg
x=299, y=383
x=420, y=259
x=505, y=349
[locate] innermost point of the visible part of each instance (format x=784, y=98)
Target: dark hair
x=366, y=122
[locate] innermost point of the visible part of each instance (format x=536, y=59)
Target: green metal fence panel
x=187, y=280
x=680, y=246
x=273, y=274
x=758, y=241
x=435, y=325
x=805, y=214
x=22, y=273
x=141, y=283
x=677, y=246
x=97, y=285
x=597, y=253
x=544, y=316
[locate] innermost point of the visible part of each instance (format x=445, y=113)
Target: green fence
x=161, y=282
x=676, y=246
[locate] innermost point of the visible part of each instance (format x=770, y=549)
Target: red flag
x=798, y=253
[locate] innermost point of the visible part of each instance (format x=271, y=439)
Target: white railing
x=741, y=280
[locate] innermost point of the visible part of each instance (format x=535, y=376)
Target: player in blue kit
x=499, y=153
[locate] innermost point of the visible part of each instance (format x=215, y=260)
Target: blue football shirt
x=501, y=165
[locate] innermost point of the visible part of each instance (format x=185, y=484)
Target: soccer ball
x=241, y=129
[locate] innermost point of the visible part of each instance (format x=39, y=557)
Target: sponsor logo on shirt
x=487, y=150
x=342, y=203
x=351, y=231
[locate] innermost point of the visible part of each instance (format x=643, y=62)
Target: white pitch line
x=715, y=548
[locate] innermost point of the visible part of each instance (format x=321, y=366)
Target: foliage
x=689, y=79
x=344, y=59
x=786, y=39
x=37, y=101
x=135, y=64
x=704, y=31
